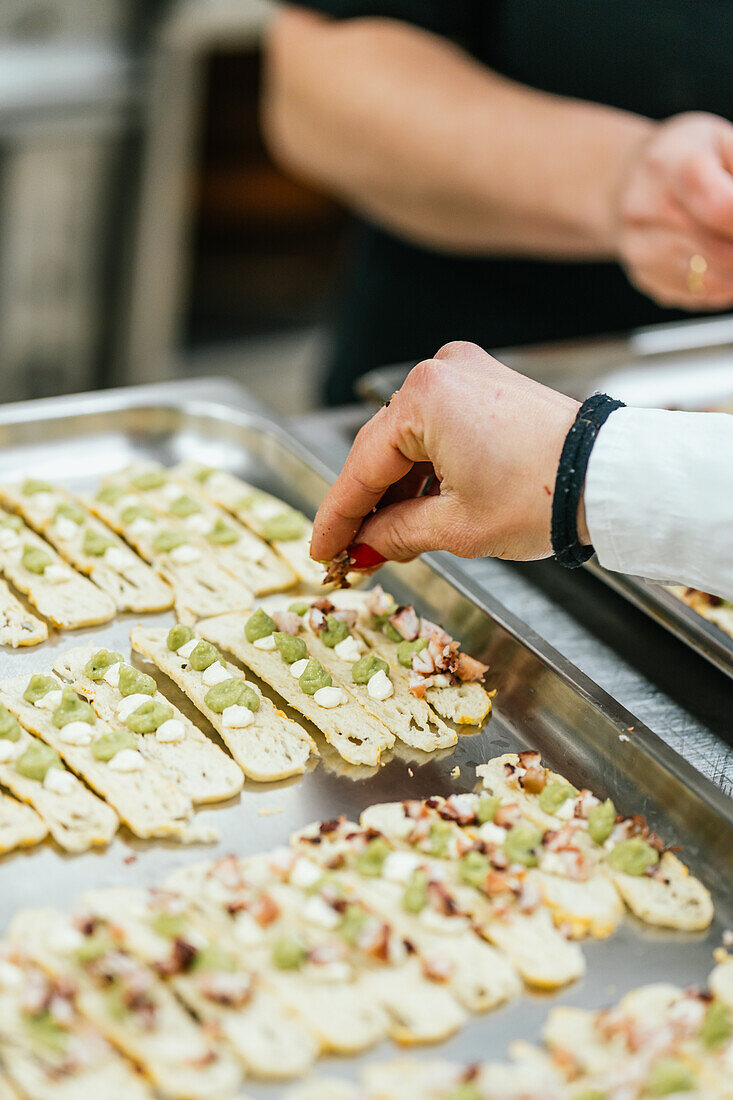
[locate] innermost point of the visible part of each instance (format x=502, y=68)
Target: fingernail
x=365, y=557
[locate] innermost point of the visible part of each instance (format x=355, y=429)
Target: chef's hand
x=676, y=204
x=493, y=439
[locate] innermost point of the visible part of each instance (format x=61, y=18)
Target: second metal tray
x=688, y=365
x=542, y=702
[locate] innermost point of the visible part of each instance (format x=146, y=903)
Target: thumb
x=401, y=531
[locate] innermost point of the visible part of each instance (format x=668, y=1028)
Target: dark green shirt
x=657, y=58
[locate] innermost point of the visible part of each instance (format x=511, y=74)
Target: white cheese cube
x=127, y=760
x=65, y=529
x=50, y=700
x=317, y=911
x=305, y=873
x=141, y=526
x=59, y=781
x=215, y=674
x=9, y=750
x=130, y=704
x=198, y=523
x=55, y=573
x=399, y=866
x=380, y=687
x=350, y=649
x=492, y=834
x=266, y=509
x=330, y=697
x=112, y=674
x=170, y=731
x=9, y=539
x=236, y=717
x=76, y=733
x=116, y=557
x=566, y=809
x=185, y=554
x=44, y=502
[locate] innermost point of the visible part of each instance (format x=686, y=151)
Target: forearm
x=411, y=131
x=659, y=497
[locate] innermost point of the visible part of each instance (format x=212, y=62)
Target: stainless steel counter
x=676, y=693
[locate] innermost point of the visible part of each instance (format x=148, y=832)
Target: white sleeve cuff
x=659, y=497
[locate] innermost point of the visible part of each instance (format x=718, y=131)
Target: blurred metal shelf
x=65, y=108
x=192, y=29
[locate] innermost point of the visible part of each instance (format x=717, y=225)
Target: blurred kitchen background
x=144, y=231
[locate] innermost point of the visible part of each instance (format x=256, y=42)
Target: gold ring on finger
x=696, y=270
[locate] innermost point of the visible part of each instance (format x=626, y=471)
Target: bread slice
x=669, y=896
x=176, y=1055
x=68, y=600
x=195, y=764
x=478, y=977
x=272, y=747
x=231, y=997
x=588, y=908
x=358, y=736
x=201, y=585
x=146, y=800
x=503, y=775
x=237, y=548
x=548, y=962
x=46, y=1071
x=410, y=719
x=420, y=1009
x=20, y=826
x=389, y=997
x=336, y=1009
x=117, y=570
x=17, y=626
x=76, y=819
x=467, y=704
x=256, y=509
x=579, y=907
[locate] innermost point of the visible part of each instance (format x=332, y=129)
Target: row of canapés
x=149, y=537
x=402, y=925
x=96, y=717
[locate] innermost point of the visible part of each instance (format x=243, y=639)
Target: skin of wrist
x=637, y=134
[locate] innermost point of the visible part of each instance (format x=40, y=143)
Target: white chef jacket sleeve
x=659, y=497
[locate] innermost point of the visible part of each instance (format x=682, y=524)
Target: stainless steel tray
x=543, y=701
x=687, y=365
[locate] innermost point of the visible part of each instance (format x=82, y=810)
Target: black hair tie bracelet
x=592, y=415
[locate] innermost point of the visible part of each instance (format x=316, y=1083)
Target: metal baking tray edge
x=543, y=701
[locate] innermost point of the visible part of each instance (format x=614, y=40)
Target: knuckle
x=424, y=375
x=457, y=349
